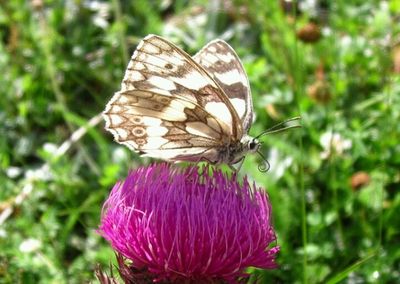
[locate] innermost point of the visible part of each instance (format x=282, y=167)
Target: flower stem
x=298, y=90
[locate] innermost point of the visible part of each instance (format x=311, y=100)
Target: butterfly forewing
x=223, y=64
x=161, y=67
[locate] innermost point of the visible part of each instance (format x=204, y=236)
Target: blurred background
x=333, y=184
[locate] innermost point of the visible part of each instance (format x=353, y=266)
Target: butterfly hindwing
x=162, y=127
x=222, y=63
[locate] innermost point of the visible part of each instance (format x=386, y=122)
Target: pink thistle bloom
x=179, y=225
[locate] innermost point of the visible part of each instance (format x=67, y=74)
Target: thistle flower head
x=179, y=225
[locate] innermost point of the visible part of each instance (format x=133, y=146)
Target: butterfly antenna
x=264, y=166
x=278, y=127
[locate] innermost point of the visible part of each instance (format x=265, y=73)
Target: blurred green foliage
x=334, y=184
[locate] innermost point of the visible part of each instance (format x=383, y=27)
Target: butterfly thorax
x=234, y=153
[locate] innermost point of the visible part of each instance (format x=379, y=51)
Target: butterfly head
x=252, y=144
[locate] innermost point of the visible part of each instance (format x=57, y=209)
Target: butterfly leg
x=207, y=160
x=201, y=159
x=240, y=164
x=232, y=168
x=214, y=164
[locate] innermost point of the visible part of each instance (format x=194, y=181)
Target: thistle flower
x=181, y=226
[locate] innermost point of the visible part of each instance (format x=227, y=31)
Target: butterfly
x=179, y=108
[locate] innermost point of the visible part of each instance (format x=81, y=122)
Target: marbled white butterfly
x=180, y=108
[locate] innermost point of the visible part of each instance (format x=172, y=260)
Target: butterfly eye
x=253, y=145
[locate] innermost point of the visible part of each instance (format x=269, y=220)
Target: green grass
x=62, y=61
